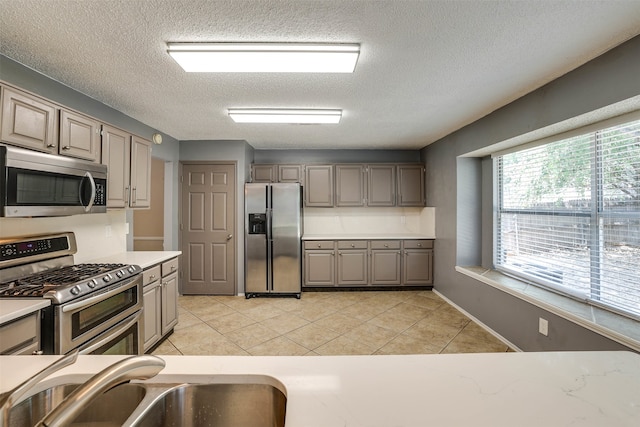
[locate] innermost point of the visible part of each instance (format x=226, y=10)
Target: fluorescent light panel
x=296, y=116
x=265, y=57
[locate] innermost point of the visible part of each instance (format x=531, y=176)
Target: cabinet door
x=264, y=173
x=411, y=185
x=418, y=267
x=385, y=267
x=79, y=136
x=381, y=185
x=169, y=302
x=28, y=121
x=318, y=190
x=350, y=184
x=116, y=154
x=140, y=172
x=319, y=268
x=152, y=300
x=290, y=173
x=353, y=267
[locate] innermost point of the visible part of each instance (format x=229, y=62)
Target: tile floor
x=325, y=323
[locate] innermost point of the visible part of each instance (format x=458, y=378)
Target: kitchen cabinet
x=353, y=263
x=79, y=136
x=319, y=263
x=169, y=271
x=385, y=262
x=417, y=263
x=381, y=188
x=28, y=121
x=290, y=173
x=160, y=299
x=152, y=302
x=264, y=173
x=21, y=336
x=411, y=185
x=350, y=185
x=128, y=158
x=319, y=189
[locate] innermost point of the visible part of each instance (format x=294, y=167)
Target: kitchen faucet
x=135, y=367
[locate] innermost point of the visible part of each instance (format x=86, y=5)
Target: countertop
x=365, y=236
x=488, y=389
x=13, y=308
x=144, y=259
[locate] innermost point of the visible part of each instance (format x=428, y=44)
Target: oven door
x=82, y=321
x=123, y=339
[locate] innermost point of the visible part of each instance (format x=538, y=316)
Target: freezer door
x=286, y=231
x=255, y=246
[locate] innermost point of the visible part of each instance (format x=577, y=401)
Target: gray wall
x=26, y=78
x=461, y=189
x=336, y=156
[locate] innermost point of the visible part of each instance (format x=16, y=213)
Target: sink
x=195, y=405
x=111, y=409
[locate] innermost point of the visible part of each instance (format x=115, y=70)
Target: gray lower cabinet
x=356, y=263
x=385, y=262
x=319, y=263
x=353, y=263
x=21, y=336
x=160, y=298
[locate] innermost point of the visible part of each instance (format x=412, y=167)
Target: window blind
x=569, y=216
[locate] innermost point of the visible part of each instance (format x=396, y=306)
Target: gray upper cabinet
x=318, y=186
x=264, y=173
x=411, y=191
x=381, y=185
x=128, y=158
x=79, y=136
x=290, y=173
x=28, y=121
x=350, y=185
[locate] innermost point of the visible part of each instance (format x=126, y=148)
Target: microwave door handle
x=111, y=334
x=88, y=207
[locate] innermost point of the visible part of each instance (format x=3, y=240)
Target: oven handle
x=112, y=333
x=89, y=301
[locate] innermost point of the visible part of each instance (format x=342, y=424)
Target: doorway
x=208, y=228
x=148, y=224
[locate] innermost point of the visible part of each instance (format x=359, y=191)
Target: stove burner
x=38, y=284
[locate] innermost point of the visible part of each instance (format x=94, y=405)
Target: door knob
x=229, y=237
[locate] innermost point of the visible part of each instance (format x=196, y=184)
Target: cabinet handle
x=66, y=147
x=126, y=195
x=134, y=195
x=319, y=245
x=386, y=246
x=419, y=245
x=51, y=145
x=353, y=246
x=173, y=267
x=153, y=276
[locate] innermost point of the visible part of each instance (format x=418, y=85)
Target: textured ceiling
x=426, y=68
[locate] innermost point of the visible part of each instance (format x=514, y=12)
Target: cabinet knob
x=353, y=246
x=319, y=245
x=66, y=147
x=386, y=246
x=419, y=244
x=153, y=276
x=51, y=145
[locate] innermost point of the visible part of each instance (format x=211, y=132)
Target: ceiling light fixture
x=265, y=57
x=295, y=116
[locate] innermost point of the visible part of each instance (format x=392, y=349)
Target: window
x=569, y=216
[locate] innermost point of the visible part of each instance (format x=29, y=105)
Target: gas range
x=67, y=283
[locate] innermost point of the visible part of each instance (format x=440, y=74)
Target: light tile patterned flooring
x=325, y=323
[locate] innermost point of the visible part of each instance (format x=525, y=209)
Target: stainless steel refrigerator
x=273, y=229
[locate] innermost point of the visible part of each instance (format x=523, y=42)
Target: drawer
x=318, y=244
x=169, y=267
x=19, y=334
x=418, y=244
x=385, y=244
x=352, y=244
x=150, y=275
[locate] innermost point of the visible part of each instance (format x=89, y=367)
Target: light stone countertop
x=14, y=308
x=486, y=389
x=364, y=236
x=144, y=259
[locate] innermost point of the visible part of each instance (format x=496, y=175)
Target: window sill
x=621, y=329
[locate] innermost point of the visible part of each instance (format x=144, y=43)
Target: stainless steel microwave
x=41, y=184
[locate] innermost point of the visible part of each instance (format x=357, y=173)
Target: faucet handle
x=15, y=394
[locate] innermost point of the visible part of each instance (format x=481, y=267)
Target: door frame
x=233, y=163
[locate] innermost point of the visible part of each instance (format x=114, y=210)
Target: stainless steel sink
x=111, y=409
x=194, y=405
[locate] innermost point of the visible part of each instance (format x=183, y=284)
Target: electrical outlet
x=543, y=326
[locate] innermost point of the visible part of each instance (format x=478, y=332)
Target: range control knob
x=120, y=273
x=107, y=278
x=131, y=270
x=75, y=290
x=92, y=283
